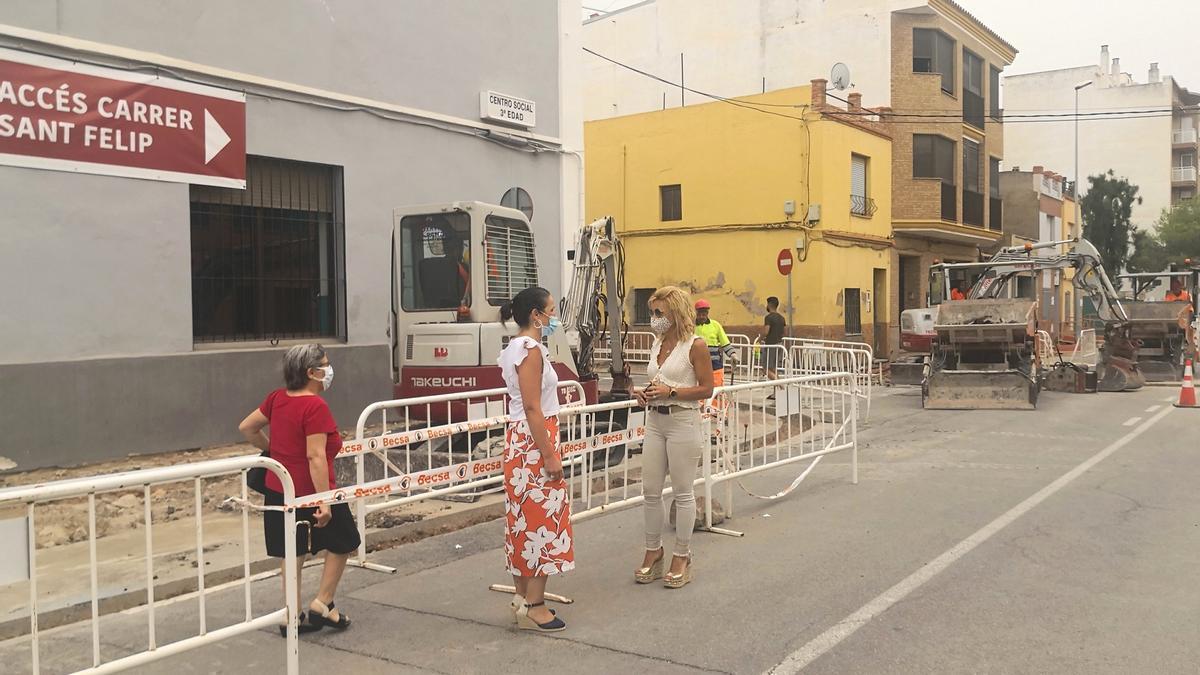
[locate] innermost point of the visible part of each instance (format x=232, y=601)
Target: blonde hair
x=679, y=310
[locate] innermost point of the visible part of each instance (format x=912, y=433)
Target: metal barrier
x=860, y=365
x=33, y=495
x=426, y=474
x=1086, y=353
x=637, y=347
x=1046, y=350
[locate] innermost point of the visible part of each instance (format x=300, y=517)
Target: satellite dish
x=840, y=76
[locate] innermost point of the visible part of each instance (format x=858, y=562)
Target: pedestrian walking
x=681, y=376
x=773, y=326
x=537, y=536
x=304, y=439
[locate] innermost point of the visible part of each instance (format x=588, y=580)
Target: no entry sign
x=61, y=115
x=784, y=262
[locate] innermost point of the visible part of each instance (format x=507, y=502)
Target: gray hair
x=297, y=361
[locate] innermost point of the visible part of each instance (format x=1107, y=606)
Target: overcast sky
x=1051, y=34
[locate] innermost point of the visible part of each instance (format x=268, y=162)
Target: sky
x=1052, y=34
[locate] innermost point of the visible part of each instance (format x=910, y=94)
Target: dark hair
x=772, y=302
x=523, y=304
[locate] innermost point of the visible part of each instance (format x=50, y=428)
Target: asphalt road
x=1062, y=540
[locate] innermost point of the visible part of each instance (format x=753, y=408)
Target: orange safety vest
x=1182, y=296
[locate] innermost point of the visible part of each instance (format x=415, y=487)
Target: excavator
x=1161, y=324
x=984, y=355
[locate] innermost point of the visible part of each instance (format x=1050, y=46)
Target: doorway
x=879, y=311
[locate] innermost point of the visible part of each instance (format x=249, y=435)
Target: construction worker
x=956, y=293
x=714, y=335
x=1177, y=292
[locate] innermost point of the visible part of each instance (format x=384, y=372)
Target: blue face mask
x=551, y=327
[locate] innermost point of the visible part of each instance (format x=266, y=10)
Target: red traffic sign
x=784, y=262
x=67, y=116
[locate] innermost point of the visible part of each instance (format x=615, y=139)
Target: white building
x=1156, y=151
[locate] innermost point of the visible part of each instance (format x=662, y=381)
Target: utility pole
x=1077, y=310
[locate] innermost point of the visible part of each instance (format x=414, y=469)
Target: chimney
x=818, y=93
x=1039, y=169
x=1154, y=74
x=1103, y=59
x=1116, y=67
x=855, y=100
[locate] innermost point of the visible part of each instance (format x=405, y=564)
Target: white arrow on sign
x=215, y=138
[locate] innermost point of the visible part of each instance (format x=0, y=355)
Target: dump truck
x=984, y=355
x=1160, y=315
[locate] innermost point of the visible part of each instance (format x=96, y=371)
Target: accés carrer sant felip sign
x=67, y=116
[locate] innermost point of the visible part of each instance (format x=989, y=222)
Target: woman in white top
x=537, y=537
x=681, y=376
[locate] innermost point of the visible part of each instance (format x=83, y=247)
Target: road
x=1061, y=540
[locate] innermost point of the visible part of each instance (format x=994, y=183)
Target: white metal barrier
x=825, y=359
x=1046, y=351
x=142, y=480
x=637, y=347
x=1086, y=353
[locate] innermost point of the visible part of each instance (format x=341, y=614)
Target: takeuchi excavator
x=1161, y=312
x=984, y=354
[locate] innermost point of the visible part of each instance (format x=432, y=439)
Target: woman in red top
x=304, y=438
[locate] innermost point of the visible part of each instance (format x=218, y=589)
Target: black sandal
x=304, y=627
x=322, y=619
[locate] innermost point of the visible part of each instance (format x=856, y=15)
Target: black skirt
x=340, y=534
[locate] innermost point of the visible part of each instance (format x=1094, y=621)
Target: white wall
x=729, y=47
x=1138, y=149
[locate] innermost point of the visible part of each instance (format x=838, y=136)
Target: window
x=933, y=157
x=511, y=263
x=972, y=184
x=995, y=203
x=268, y=261
x=972, y=89
x=994, y=93
x=860, y=203
x=641, y=305
x=1186, y=159
x=517, y=198
x=933, y=52
x=671, y=198
x=851, y=303
x=434, y=270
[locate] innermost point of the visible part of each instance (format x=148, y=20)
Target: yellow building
x=1066, y=290
x=707, y=196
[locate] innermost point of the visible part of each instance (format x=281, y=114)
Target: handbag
x=256, y=478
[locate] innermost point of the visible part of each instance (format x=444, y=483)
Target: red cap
x=703, y=304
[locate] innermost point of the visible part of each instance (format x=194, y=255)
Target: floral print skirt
x=537, y=537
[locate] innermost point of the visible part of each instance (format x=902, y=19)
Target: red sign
x=784, y=262
x=66, y=116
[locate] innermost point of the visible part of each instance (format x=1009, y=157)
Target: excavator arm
x=595, y=301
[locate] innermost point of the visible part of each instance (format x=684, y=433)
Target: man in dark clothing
x=773, y=327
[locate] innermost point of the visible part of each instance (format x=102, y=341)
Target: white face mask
x=327, y=381
x=660, y=325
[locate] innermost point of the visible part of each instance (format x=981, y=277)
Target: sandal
x=319, y=616
x=304, y=627
x=645, y=575
x=673, y=580
x=524, y=622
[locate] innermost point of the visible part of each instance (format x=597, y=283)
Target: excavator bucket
x=979, y=390
x=982, y=360
x=1118, y=369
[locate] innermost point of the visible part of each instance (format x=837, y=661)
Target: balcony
x=1184, y=137
x=972, y=208
x=861, y=205
x=949, y=202
x=1183, y=174
x=973, y=109
x=995, y=214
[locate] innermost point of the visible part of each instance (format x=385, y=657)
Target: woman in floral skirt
x=537, y=537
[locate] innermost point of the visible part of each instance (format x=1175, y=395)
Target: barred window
x=511, y=265
x=268, y=261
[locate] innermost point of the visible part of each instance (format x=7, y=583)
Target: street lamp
x=1078, y=309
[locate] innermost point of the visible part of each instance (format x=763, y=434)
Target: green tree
x=1149, y=254
x=1106, y=211
x=1178, y=231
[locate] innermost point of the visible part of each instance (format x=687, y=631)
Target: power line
x=916, y=117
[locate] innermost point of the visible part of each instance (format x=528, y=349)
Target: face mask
x=660, y=325
x=327, y=381
x=551, y=327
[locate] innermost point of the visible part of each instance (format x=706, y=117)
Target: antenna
x=839, y=77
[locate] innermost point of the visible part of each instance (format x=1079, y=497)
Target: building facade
x=931, y=68
x=150, y=315
x=1155, y=151
x=711, y=211
x=1035, y=210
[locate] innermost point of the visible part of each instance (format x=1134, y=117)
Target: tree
x=1106, y=210
x=1178, y=231
x=1149, y=254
